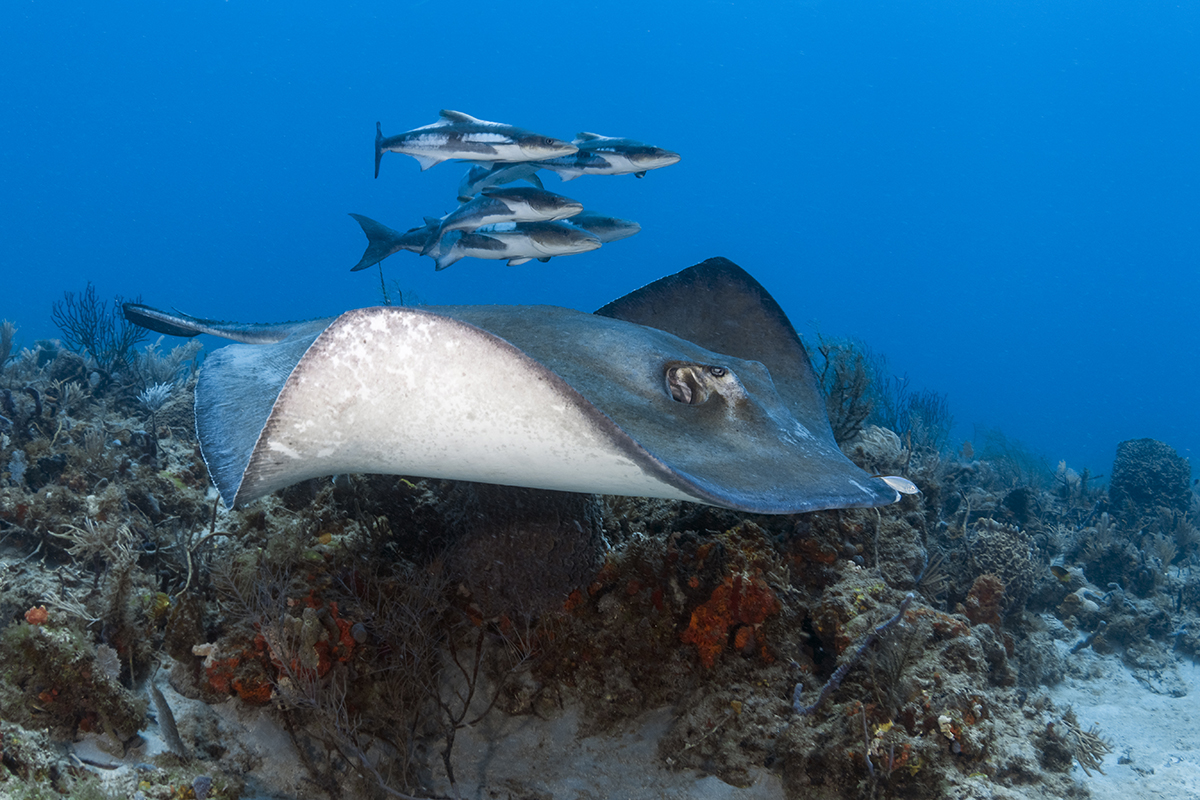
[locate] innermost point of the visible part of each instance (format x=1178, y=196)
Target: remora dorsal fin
x=586, y=136
x=456, y=116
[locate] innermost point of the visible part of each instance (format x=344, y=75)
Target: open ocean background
x=1001, y=197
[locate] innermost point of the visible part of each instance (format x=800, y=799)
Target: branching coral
x=153, y=366
x=89, y=326
x=1088, y=746
x=152, y=397
x=118, y=605
x=846, y=380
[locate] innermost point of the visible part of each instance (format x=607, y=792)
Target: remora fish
x=606, y=229
x=458, y=135
x=481, y=176
x=511, y=204
x=516, y=241
x=382, y=241
x=609, y=155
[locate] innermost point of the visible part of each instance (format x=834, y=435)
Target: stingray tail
x=180, y=324
x=378, y=146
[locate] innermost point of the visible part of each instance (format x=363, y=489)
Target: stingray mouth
x=694, y=384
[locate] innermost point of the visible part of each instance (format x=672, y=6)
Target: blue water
x=1002, y=197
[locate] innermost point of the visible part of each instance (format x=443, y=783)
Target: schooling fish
x=458, y=135
x=382, y=241
x=482, y=176
x=609, y=155
x=507, y=204
x=517, y=242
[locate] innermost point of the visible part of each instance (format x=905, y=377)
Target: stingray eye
x=717, y=372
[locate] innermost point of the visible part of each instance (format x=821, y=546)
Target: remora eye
x=717, y=372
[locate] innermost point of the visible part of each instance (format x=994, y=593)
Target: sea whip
x=835, y=680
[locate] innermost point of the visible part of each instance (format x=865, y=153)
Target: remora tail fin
x=381, y=242
x=378, y=146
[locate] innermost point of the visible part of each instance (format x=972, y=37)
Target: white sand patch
x=1155, y=737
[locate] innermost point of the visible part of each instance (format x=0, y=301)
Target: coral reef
x=1008, y=554
x=1148, y=479
x=898, y=652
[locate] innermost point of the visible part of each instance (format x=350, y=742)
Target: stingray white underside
x=419, y=394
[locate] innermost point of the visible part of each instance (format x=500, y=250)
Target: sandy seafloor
x=1155, y=737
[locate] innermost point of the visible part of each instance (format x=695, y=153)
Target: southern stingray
x=695, y=387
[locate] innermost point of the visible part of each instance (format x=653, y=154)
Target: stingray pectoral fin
x=178, y=324
x=535, y=396
x=741, y=443
x=410, y=392
x=234, y=398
